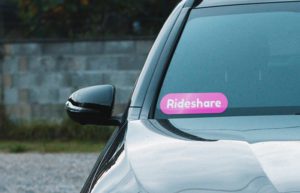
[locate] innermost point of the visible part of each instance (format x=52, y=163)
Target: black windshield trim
x=251, y=111
x=170, y=127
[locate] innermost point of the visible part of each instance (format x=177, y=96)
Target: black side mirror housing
x=93, y=105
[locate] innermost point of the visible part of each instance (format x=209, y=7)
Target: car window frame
x=147, y=111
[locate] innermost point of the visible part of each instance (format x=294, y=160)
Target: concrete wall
x=37, y=78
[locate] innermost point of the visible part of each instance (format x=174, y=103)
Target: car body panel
x=157, y=162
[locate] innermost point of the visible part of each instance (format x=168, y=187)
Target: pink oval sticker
x=194, y=103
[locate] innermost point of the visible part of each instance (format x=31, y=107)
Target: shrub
x=49, y=131
x=18, y=148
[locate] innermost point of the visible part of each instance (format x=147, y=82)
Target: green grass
x=51, y=137
x=49, y=131
x=50, y=146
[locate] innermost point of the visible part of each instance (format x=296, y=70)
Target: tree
x=91, y=18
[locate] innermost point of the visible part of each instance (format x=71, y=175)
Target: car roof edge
x=192, y=3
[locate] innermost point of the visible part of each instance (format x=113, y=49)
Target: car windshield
x=246, y=57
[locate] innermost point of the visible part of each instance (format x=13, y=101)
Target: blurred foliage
x=17, y=148
x=90, y=18
x=11, y=146
x=47, y=131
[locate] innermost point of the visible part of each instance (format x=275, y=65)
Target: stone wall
x=37, y=78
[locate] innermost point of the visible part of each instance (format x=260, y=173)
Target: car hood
x=155, y=159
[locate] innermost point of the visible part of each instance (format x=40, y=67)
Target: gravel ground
x=44, y=173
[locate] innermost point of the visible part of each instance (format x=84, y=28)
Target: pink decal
x=194, y=103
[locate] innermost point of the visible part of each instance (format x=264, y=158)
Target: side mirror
x=92, y=105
